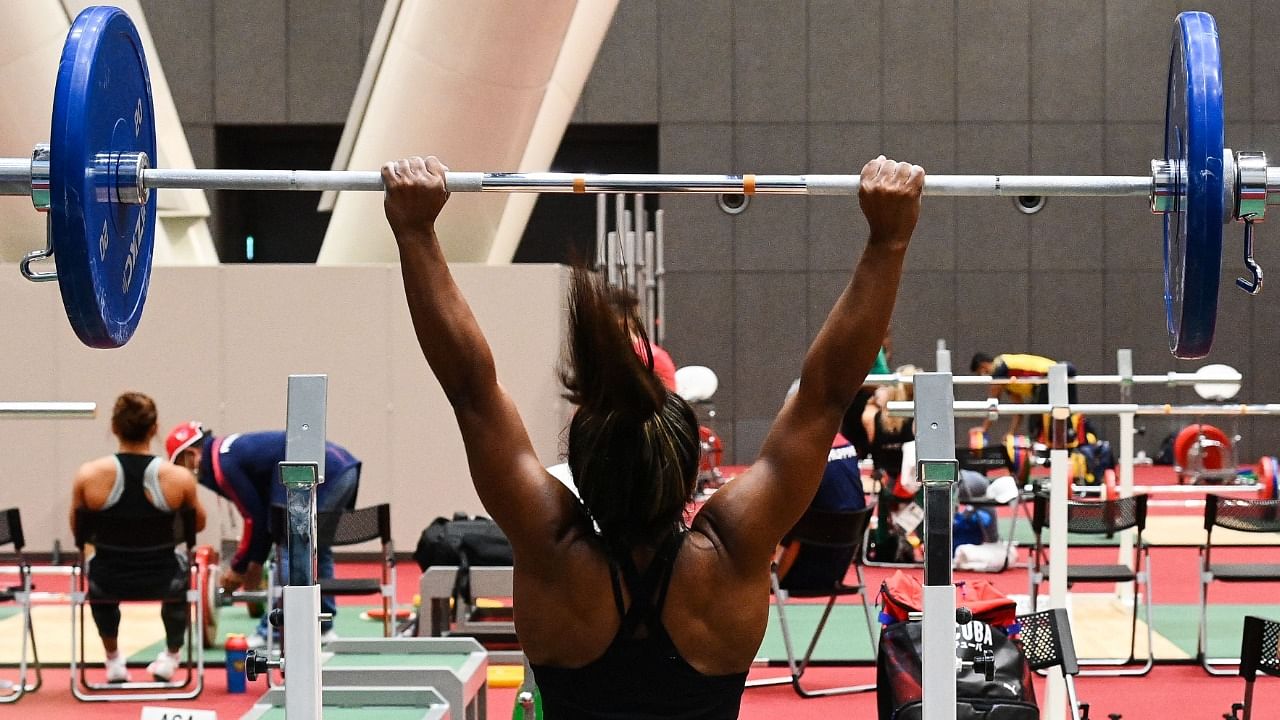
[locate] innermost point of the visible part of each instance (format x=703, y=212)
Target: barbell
x=993, y=409
x=95, y=180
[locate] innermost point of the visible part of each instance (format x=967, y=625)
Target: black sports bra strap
x=671, y=549
x=648, y=591
x=617, y=589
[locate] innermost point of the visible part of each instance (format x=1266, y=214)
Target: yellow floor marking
x=1100, y=629
x=1188, y=530
x=140, y=627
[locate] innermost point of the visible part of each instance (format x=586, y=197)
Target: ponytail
x=633, y=446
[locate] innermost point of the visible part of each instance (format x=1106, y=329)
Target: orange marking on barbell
x=580, y=184
x=749, y=184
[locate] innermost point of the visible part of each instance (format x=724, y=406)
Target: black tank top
x=640, y=675
x=136, y=477
x=886, y=449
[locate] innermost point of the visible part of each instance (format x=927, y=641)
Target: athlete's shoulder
x=98, y=467
x=174, y=473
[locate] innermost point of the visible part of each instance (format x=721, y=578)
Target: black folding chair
x=1255, y=516
x=1046, y=642
x=840, y=533
x=123, y=535
x=1259, y=653
x=20, y=594
x=1106, y=517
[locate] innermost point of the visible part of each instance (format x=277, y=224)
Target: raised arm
x=516, y=490
x=751, y=514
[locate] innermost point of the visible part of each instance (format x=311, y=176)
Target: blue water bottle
x=237, y=649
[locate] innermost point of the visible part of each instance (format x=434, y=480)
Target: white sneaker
x=256, y=641
x=117, y=671
x=163, y=667
x=328, y=636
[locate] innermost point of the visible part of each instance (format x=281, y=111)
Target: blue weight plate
x=101, y=105
x=1193, y=134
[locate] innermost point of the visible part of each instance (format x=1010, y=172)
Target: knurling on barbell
x=95, y=180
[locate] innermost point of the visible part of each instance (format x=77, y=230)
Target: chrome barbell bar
x=130, y=177
x=1169, y=379
x=980, y=408
x=16, y=179
x=556, y=182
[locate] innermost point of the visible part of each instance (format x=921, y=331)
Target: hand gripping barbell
x=94, y=178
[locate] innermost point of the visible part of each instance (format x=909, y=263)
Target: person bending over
x=245, y=469
x=135, y=485
x=1009, y=366
x=689, y=604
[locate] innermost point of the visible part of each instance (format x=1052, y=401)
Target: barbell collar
x=123, y=172
x=1252, y=185
x=1166, y=185
x=38, y=177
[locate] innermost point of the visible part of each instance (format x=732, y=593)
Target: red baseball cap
x=182, y=437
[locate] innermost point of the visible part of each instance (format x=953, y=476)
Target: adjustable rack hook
x=25, y=264
x=1254, y=287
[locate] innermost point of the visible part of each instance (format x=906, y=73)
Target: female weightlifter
x=688, y=604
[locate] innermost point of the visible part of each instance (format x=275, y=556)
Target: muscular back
x=95, y=479
x=566, y=617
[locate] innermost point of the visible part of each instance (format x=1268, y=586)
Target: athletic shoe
x=256, y=641
x=117, y=671
x=164, y=666
x=328, y=636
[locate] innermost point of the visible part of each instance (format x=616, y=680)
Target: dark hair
x=978, y=360
x=134, y=417
x=633, y=446
x=623, y=300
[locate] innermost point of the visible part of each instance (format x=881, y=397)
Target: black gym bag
x=1008, y=696
x=463, y=541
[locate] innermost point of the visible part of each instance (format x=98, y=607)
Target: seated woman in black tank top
x=689, y=604
x=131, y=487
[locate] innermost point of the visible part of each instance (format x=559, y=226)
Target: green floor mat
x=844, y=639
x=1179, y=624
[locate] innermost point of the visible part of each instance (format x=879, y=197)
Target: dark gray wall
x=260, y=61
x=972, y=86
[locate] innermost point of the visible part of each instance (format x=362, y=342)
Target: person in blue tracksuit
x=244, y=468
